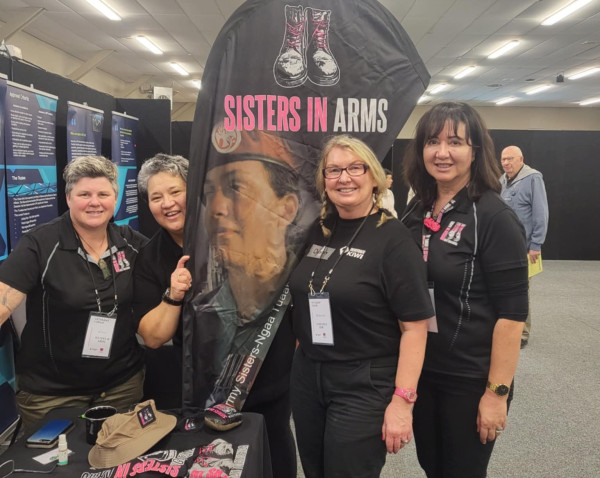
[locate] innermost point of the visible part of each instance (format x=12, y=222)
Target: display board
x=124, y=132
x=30, y=125
x=3, y=212
x=84, y=130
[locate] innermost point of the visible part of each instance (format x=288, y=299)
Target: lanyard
x=433, y=225
x=342, y=254
x=87, y=263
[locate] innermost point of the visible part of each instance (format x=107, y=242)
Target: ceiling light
x=503, y=101
x=422, y=99
x=438, y=88
x=502, y=50
x=197, y=84
x=105, y=10
x=467, y=71
x=558, y=16
x=590, y=101
x=581, y=74
x=149, y=45
x=538, y=89
x=179, y=69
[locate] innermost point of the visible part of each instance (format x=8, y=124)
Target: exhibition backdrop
x=54, y=120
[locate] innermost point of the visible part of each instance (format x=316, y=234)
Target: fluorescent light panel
x=149, y=45
x=538, y=89
x=197, y=84
x=502, y=50
x=179, y=69
x=503, y=101
x=105, y=10
x=438, y=88
x=581, y=74
x=565, y=12
x=467, y=71
x=590, y=101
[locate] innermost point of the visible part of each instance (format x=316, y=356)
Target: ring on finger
x=499, y=430
x=404, y=442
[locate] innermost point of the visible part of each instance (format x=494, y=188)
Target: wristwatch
x=167, y=299
x=408, y=394
x=499, y=389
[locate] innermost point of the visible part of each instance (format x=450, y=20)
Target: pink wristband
x=408, y=394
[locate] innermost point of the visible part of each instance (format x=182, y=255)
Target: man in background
x=388, y=196
x=524, y=191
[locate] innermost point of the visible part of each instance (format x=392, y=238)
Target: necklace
x=101, y=262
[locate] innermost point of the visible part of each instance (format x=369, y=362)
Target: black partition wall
x=154, y=131
x=570, y=163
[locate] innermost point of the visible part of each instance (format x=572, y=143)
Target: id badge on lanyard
x=99, y=335
x=321, y=324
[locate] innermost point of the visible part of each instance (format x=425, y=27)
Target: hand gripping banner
x=281, y=77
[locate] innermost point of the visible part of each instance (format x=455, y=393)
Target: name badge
x=99, y=335
x=320, y=319
x=432, y=321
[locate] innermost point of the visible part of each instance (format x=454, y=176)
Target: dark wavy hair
x=485, y=172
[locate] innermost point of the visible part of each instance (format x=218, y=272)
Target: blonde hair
x=362, y=151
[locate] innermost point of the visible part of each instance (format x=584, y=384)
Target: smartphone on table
x=47, y=435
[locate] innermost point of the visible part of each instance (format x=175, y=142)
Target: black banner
x=279, y=79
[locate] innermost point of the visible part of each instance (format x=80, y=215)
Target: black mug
x=94, y=418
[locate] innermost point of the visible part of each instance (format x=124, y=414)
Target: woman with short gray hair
x=161, y=279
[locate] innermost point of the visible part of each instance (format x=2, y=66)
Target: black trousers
x=277, y=414
x=445, y=427
x=338, y=410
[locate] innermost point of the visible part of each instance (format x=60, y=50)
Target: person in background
x=360, y=352
x=78, y=346
x=474, y=247
x=387, y=201
x=161, y=278
x=524, y=191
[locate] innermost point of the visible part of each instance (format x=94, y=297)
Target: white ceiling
x=449, y=35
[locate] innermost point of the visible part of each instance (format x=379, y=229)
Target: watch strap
x=499, y=389
x=408, y=394
x=167, y=299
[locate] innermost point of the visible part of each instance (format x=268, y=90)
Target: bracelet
x=408, y=394
x=166, y=299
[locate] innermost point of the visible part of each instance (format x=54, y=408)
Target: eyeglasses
x=8, y=468
x=333, y=172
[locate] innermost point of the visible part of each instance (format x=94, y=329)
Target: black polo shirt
x=379, y=281
x=477, y=264
x=50, y=266
x=156, y=262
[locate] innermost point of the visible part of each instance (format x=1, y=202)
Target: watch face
x=502, y=390
x=411, y=395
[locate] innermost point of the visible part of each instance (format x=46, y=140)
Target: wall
x=524, y=118
x=570, y=164
x=154, y=132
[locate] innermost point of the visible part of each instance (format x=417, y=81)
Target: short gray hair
x=90, y=167
x=162, y=163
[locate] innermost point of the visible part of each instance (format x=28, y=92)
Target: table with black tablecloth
x=251, y=432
